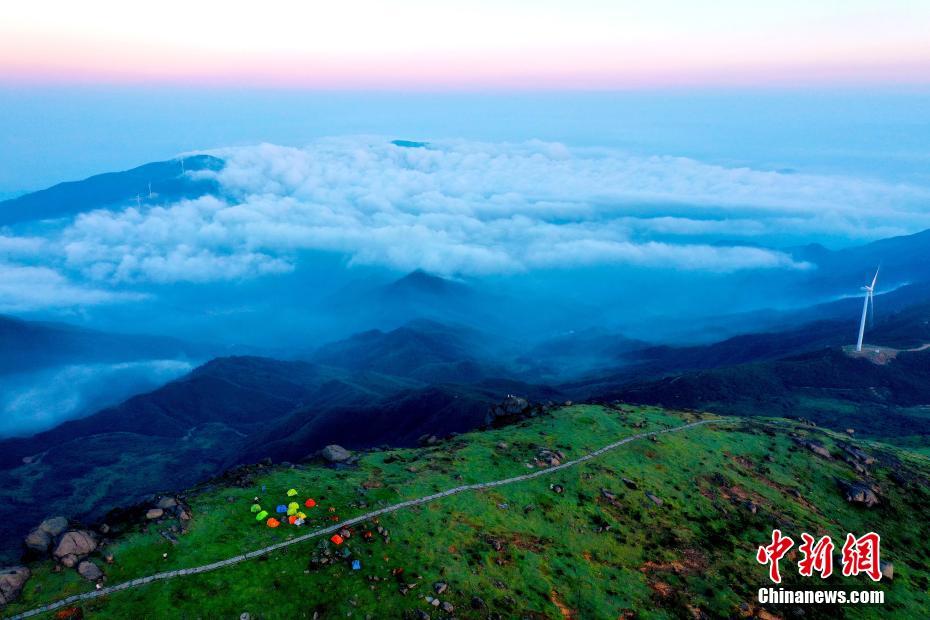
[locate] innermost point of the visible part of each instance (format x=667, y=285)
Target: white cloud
x=24, y=288
x=473, y=208
x=36, y=401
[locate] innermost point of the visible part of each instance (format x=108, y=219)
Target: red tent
x=310, y=503
x=337, y=539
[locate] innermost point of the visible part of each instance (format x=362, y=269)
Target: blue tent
x=281, y=508
x=356, y=565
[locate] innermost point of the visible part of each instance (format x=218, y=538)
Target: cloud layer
x=459, y=207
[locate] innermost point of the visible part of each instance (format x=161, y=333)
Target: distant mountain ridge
x=156, y=181
x=31, y=345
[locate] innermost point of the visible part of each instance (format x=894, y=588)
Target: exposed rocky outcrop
x=40, y=540
x=859, y=493
x=335, y=454
x=77, y=543
x=90, y=571
x=513, y=409
x=11, y=583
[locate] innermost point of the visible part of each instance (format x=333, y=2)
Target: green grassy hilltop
x=654, y=529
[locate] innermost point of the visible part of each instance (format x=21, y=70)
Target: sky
x=466, y=44
x=682, y=135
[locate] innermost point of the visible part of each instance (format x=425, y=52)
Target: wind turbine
x=869, y=300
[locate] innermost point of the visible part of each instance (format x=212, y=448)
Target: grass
x=695, y=551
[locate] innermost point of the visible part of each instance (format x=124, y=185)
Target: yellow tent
x=292, y=492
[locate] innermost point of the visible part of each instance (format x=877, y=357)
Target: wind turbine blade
x=876, y=277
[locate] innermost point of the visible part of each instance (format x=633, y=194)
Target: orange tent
x=337, y=539
x=310, y=503
x=291, y=519
x=272, y=522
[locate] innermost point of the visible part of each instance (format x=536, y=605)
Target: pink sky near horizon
x=509, y=44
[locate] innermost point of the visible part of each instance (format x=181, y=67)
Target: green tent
x=261, y=516
x=256, y=508
x=292, y=492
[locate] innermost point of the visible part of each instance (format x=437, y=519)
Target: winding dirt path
x=134, y=583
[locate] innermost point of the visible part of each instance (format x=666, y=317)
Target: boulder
x=447, y=607
x=54, y=526
x=335, y=454
x=11, y=583
x=166, y=502
x=655, y=500
x=860, y=493
x=69, y=561
x=630, y=484
x=154, y=513
x=440, y=587
x=90, y=571
x=38, y=541
x=76, y=542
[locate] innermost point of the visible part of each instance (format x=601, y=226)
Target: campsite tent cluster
x=291, y=513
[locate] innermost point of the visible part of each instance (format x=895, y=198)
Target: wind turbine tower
x=868, y=301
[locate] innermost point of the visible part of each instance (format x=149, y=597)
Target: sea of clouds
x=43, y=399
x=451, y=207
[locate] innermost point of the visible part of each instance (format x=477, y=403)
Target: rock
x=54, y=526
x=75, y=542
x=887, y=569
x=477, y=602
x=38, y=541
x=655, y=500
x=104, y=528
x=166, y=502
x=608, y=495
x=511, y=409
x=335, y=454
x=860, y=493
x=557, y=489
x=818, y=450
x=629, y=483
x=154, y=513
x=185, y=515
x=501, y=445
x=69, y=561
x=448, y=607
x=751, y=507
x=859, y=455
x=90, y=571
x=440, y=586
x=434, y=602
x=11, y=583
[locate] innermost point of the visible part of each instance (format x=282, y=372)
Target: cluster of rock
x=440, y=587
x=514, y=409
x=69, y=547
x=168, y=507
x=549, y=458
x=856, y=458
x=859, y=492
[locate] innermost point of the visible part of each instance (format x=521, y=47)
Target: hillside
x=888, y=401
x=667, y=527
x=228, y=411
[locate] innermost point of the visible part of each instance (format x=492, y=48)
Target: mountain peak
x=420, y=281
